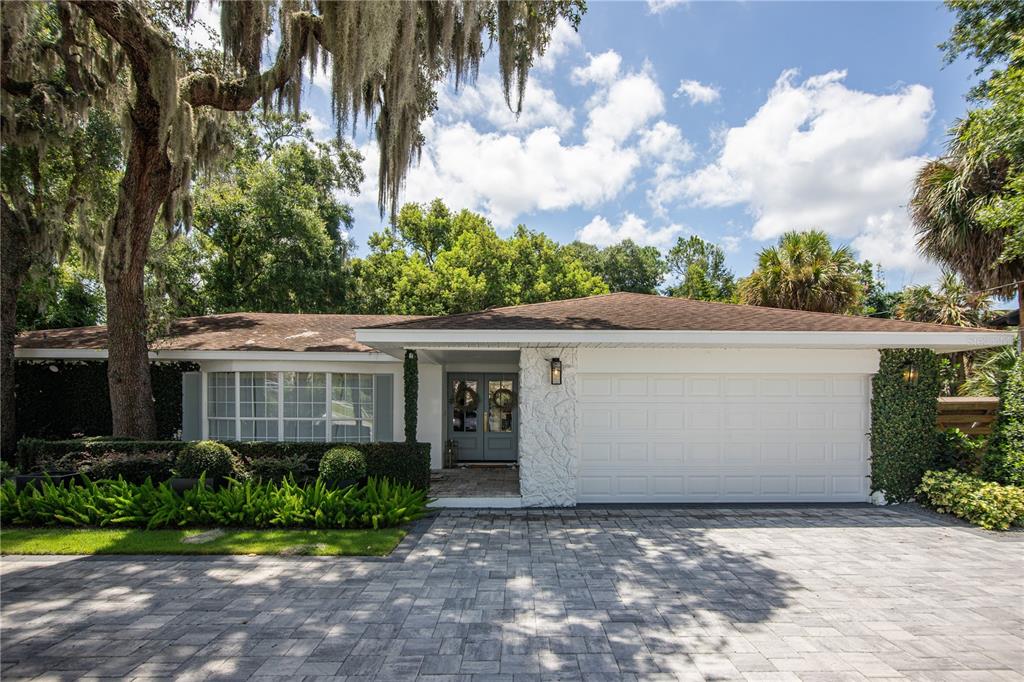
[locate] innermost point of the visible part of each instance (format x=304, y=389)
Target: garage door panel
x=723, y=438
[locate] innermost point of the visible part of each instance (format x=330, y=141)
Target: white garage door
x=723, y=438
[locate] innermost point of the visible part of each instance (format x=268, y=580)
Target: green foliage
x=248, y=504
x=988, y=371
x=274, y=229
x=951, y=302
x=1004, y=460
x=903, y=435
x=700, y=269
x=205, y=457
x=399, y=462
x=625, y=266
x=280, y=468
x=877, y=302
x=132, y=467
x=989, y=505
x=987, y=31
x=433, y=261
x=58, y=295
x=957, y=450
x=411, y=383
x=73, y=399
x=342, y=464
x=804, y=272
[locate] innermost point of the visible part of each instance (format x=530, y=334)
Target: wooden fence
x=973, y=416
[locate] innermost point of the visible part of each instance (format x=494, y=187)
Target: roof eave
x=942, y=342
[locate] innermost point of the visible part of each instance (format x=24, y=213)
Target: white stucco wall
x=548, y=450
x=430, y=422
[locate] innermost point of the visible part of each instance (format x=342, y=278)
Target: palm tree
x=988, y=371
x=948, y=192
x=804, y=272
x=951, y=303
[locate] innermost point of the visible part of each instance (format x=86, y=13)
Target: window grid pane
x=352, y=407
x=290, y=406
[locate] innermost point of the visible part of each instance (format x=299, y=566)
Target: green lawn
x=135, y=541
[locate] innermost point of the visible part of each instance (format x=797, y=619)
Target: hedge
x=985, y=504
x=70, y=398
x=903, y=414
x=1004, y=459
x=400, y=462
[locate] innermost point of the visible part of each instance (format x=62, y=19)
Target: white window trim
x=281, y=419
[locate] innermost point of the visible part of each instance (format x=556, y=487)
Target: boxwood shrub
x=341, y=464
x=400, y=462
x=903, y=415
x=205, y=457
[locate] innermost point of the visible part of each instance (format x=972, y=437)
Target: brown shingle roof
x=626, y=311
x=232, y=331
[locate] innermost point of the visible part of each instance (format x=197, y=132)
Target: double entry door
x=483, y=416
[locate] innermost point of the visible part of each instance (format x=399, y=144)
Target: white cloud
x=730, y=244
x=665, y=142
x=528, y=165
x=563, y=39
x=602, y=233
x=602, y=68
x=486, y=99
x=697, y=92
x=624, y=107
x=659, y=6
x=320, y=128
x=504, y=175
x=820, y=155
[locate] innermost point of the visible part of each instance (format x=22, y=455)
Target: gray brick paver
x=808, y=593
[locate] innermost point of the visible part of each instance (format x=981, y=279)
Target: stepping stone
x=204, y=537
x=301, y=550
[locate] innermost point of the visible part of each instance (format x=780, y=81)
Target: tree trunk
x=146, y=184
x=14, y=254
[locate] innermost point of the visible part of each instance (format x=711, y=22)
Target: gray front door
x=483, y=416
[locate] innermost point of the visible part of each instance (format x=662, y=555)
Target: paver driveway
x=776, y=594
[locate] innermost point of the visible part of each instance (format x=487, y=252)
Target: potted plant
x=56, y=477
x=205, y=456
x=343, y=466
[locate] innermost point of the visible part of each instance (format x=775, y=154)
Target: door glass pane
x=465, y=403
x=500, y=402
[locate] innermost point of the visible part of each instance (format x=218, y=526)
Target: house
x=613, y=398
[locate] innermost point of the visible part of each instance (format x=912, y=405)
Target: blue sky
x=733, y=121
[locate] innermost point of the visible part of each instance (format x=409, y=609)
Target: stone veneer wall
x=547, y=429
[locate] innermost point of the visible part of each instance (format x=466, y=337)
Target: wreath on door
x=503, y=397
x=466, y=398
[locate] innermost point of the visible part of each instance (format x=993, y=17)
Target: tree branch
x=239, y=94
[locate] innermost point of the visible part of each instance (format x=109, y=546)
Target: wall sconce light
x=910, y=374
x=556, y=372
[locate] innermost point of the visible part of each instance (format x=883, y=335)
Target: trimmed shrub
x=205, y=457
x=1004, y=459
x=342, y=464
x=134, y=468
x=399, y=462
x=35, y=454
x=69, y=398
x=985, y=504
x=903, y=414
x=247, y=504
x=280, y=468
x=411, y=383
x=957, y=450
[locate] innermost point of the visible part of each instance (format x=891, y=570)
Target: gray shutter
x=383, y=407
x=191, y=406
